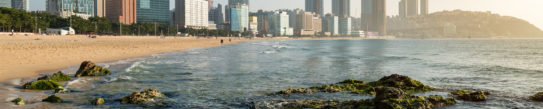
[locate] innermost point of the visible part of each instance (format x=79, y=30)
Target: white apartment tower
x=192, y=13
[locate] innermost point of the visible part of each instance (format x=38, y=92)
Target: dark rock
x=88, y=68
x=388, y=93
x=403, y=82
x=148, y=95
x=351, y=81
x=470, y=96
x=42, y=85
x=538, y=97
x=53, y=99
x=98, y=101
x=19, y=101
x=394, y=98
x=301, y=90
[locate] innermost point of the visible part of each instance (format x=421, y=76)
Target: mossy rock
x=42, y=85
x=537, y=97
x=301, y=90
x=395, y=98
x=329, y=104
x=148, y=95
x=53, y=99
x=88, y=68
x=357, y=86
x=19, y=101
x=470, y=96
x=57, y=77
x=98, y=101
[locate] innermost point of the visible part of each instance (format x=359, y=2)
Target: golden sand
x=26, y=56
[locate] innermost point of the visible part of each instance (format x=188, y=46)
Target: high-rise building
x=5, y=3
x=424, y=7
x=239, y=18
x=227, y=14
x=279, y=24
x=210, y=4
x=100, y=8
x=219, y=17
x=293, y=14
x=67, y=8
x=192, y=13
x=263, y=18
x=84, y=7
x=412, y=7
x=345, y=25
x=20, y=5
x=330, y=24
x=253, y=24
x=341, y=8
x=123, y=11
x=153, y=11
x=315, y=6
x=238, y=2
x=374, y=16
x=402, y=8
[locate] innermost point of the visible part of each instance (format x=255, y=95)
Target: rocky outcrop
x=98, y=101
x=470, y=96
x=19, y=101
x=57, y=77
x=537, y=97
x=53, y=99
x=88, y=68
x=42, y=85
x=301, y=90
x=148, y=95
x=404, y=83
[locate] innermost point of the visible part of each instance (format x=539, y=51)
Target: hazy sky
x=525, y=9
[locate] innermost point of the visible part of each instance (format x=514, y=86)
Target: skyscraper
x=192, y=13
x=154, y=11
x=5, y=3
x=123, y=11
x=374, y=16
x=239, y=18
x=424, y=7
x=219, y=16
x=67, y=8
x=85, y=7
x=236, y=2
x=315, y=6
x=412, y=7
x=20, y=5
x=402, y=8
x=210, y=4
x=341, y=8
x=330, y=24
x=100, y=8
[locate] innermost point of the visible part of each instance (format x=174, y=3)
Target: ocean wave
x=120, y=78
x=270, y=52
x=507, y=70
x=134, y=65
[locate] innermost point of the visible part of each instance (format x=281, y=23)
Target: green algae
x=19, y=101
x=95, y=71
x=60, y=77
x=301, y=90
x=537, y=97
x=42, y=85
x=329, y=104
x=98, y=101
x=53, y=99
x=359, y=87
x=470, y=96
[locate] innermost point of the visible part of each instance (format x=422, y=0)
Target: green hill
x=462, y=24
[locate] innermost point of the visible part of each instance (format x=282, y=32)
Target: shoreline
x=30, y=56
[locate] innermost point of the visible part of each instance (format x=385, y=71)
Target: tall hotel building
x=238, y=14
x=20, y=5
x=341, y=8
x=100, y=8
x=153, y=11
x=315, y=6
x=123, y=11
x=192, y=13
x=374, y=16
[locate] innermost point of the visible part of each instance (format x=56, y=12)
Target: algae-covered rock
x=301, y=90
x=19, y=101
x=88, y=68
x=394, y=98
x=98, y=101
x=42, y=85
x=148, y=95
x=57, y=77
x=470, y=96
x=405, y=83
x=537, y=97
x=329, y=104
x=53, y=99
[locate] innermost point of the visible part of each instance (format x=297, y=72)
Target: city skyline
x=515, y=8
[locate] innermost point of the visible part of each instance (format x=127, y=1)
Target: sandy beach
x=27, y=56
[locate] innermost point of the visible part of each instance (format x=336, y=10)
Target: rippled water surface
x=233, y=76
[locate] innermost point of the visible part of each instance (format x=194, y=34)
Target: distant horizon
x=523, y=9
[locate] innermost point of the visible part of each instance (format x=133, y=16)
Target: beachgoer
x=229, y=40
x=222, y=41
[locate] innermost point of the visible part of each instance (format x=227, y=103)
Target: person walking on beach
x=222, y=41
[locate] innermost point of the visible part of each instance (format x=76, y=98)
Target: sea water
x=240, y=75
